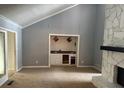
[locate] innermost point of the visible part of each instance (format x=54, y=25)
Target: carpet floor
x=53, y=77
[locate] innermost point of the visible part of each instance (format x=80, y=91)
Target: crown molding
x=9, y=21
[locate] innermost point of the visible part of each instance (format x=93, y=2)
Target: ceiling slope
x=26, y=15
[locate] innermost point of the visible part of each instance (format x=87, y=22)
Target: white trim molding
x=19, y=69
x=63, y=35
x=2, y=28
x=16, y=37
x=51, y=15
x=79, y=66
x=10, y=21
x=5, y=77
x=35, y=67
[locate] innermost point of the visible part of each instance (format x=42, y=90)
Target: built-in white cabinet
x=70, y=58
x=57, y=59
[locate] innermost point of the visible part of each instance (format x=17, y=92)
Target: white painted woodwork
x=56, y=59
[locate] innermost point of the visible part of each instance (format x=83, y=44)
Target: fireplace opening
x=120, y=76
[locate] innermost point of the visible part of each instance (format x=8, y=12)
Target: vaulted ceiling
x=25, y=15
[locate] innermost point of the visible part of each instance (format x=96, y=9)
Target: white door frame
x=6, y=30
x=4, y=78
x=5, y=51
x=78, y=46
x=15, y=66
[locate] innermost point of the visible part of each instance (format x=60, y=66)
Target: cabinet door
x=56, y=59
x=65, y=59
x=72, y=58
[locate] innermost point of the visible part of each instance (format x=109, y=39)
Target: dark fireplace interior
x=120, y=76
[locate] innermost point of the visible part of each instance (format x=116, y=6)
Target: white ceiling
x=26, y=15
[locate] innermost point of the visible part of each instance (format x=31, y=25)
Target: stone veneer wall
x=113, y=35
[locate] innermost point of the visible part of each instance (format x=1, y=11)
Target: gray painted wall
x=78, y=20
x=4, y=23
x=99, y=35
x=87, y=27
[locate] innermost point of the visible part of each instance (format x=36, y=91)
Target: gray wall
x=99, y=35
x=78, y=20
x=5, y=23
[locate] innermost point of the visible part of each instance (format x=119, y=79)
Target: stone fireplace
x=111, y=62
x=113, y=36
x=120, y=76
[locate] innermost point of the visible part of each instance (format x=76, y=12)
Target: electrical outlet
x=36, y=62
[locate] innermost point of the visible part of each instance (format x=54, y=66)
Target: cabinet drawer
x=56, y=59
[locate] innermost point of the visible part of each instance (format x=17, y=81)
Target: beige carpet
x=54, y=77
x=11, y=73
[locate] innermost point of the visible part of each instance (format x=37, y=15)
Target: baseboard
x=19, y=69
x=3, y=80
x=63, y=65
x=35, y=66
x=95, y=67
x=85, y=66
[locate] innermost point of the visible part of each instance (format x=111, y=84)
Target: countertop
x=60, y=52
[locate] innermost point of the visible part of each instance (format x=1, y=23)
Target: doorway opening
x=2, y=54
x=64, y=49
x=11, y=53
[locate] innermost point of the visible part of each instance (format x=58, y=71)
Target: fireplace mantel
x=112, y=48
